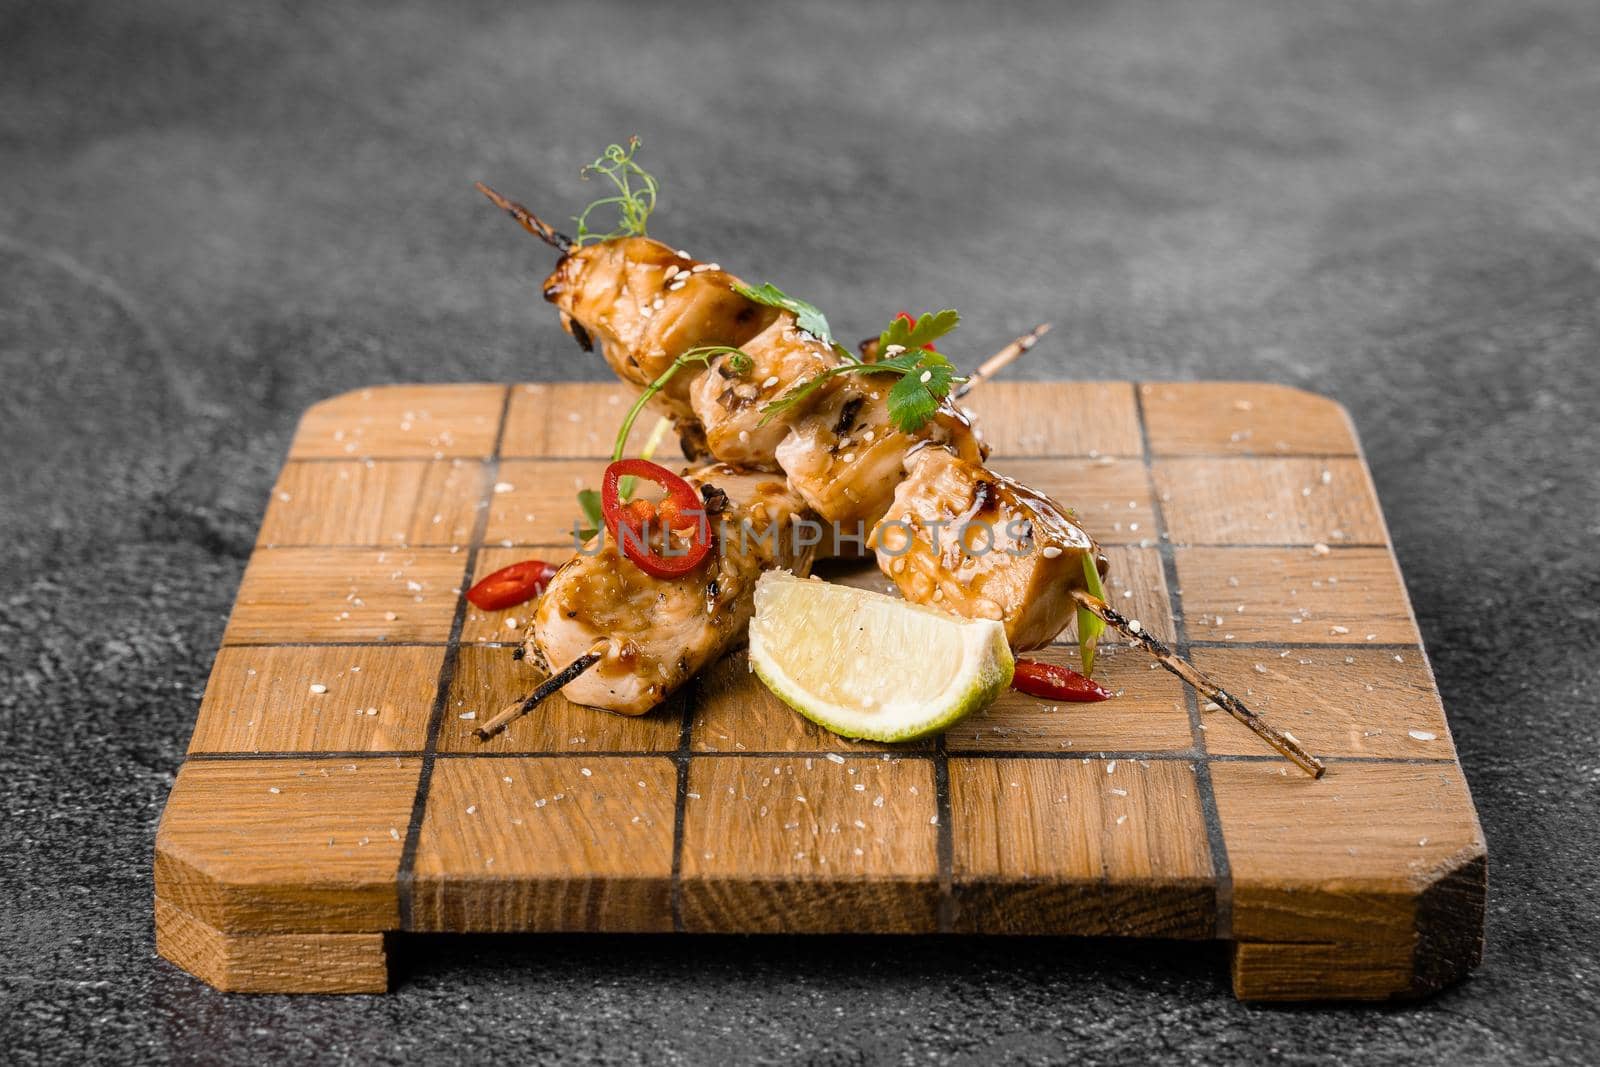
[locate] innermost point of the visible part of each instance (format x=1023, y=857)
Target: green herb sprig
x=925, y=376
x=633, y=203
x=1090, y=625
x=589, y=499
x=806, y=316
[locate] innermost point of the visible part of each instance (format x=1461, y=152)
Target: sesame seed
x=319, y=688
x=1052, y=551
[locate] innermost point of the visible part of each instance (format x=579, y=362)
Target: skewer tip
x=526, y=219
x=549, y=686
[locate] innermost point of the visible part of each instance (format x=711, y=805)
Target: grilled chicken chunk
x=729, y=403
x=964, y=539
x=845, y=456
x=647, y=305
x=658, y=632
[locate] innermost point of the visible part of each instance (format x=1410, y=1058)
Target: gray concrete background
x=213, y=215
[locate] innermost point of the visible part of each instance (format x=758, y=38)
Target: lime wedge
x=869, y=666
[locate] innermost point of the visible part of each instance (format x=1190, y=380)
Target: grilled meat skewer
x=649, y=304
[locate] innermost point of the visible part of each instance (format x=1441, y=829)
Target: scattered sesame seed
x=504, y=487
x=586, y=772
x=1052, y=551
x=319, y=688
x=1423, y=735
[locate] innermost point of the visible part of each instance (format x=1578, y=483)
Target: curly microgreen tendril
x=633, y=202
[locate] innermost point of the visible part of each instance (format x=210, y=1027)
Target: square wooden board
x=334, y=793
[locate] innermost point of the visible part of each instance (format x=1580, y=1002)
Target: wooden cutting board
x=333, y=792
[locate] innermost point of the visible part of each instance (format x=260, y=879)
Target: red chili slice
x=1051, y=681
x=513, y=585
x=680, y=510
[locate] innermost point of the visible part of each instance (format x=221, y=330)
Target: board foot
x=271, y=963
x=1444, y=943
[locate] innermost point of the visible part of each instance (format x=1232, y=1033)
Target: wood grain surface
x=334, y=792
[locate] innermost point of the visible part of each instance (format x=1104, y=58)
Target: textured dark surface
x=213, y=217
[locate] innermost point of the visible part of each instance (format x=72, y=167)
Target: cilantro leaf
x=915, y=397
x=806, y=316
x=1090, y=625
x=910, y=405
x=924, y=376
x=913, y=335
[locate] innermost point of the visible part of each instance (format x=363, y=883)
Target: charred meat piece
x=646, y=305
x=961, y=538
x=659, y=632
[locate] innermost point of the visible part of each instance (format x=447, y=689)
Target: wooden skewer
x=530, y=222
x=550, y=685
x=1285, y=743
x=1003, y=358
